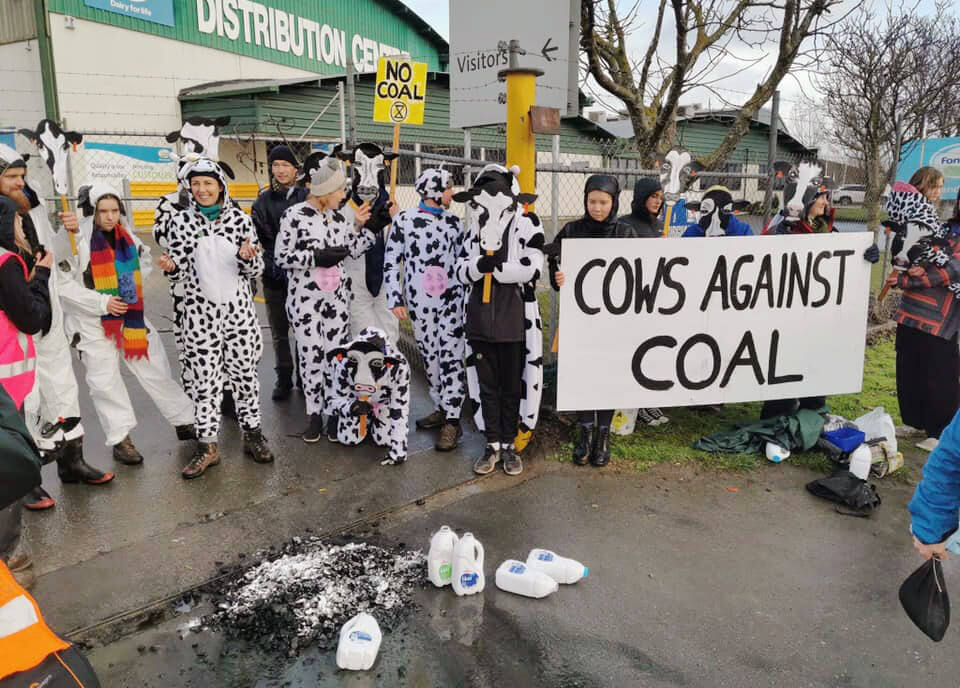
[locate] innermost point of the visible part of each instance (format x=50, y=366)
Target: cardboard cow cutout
x=716, y=208
x=370, y=393
x=678, y=170
x=199, y=137
x=494, y=201
x=54, y=143
x=800, y=181
x=368, y=178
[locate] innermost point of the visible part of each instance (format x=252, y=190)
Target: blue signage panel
x=156, y=11
x=944, y=154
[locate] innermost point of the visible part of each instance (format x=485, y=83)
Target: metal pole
x=417, y=161
x=521, y=141
x=771, y=155
x=351, y=105
x=467, y=153
x=343, y=116
x=554, y=221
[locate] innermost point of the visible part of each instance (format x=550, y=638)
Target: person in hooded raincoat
x=214, y=251
x=103, y=304
x=420, y=278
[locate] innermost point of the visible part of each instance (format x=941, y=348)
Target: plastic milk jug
x=468, y=566
x=359, y=643
x=860, y=460
x=440, y=557
x=560, y=569
x=516, y=577
x=776, y=453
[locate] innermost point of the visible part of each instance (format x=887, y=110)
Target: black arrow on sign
x=546, y=50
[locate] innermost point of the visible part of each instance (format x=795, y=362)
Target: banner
x=680, y=322
x=944, y=154
x=111, y=163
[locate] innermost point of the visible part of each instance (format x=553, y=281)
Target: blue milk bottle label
x=545, y=556
x=517, y=568
x=360, y=635
x=468, y=580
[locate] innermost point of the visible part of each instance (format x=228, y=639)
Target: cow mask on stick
x=369, y=365
x=199, y=137
x=368, y=177
x=800, y=180
x=716, y=208
x=678, y=170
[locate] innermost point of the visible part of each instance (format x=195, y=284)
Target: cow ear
x=227, y=170
x=390, y=156
x=337, y=354
x=83, y=200
x=74, y=137
x=464, y=196
x=173, y=136
x=526, y=198
x=740, y=206
x=692, y=205
x=222, y=121
x=28, y=133
x=781, y=168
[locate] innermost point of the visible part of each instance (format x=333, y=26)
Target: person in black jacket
x=270, y=205
x=601, y=196
x=644, y=220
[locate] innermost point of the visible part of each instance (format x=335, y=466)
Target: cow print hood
x=204, y=167
x=10, y=158
x=906, y=204
x=432, y=183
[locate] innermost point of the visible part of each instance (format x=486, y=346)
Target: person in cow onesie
x=103, y=303
x=504, y=351
x=368, y=177
x=717, y=218
x=52, y=410
x=213, y=250
x=419, y=271
x=370, y=393
x=271, y=204
x=315, y=237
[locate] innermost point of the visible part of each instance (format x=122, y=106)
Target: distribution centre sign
x=400, y=92
x=682, y=322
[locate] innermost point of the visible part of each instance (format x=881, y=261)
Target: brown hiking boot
x=206, y=455
x=126, y=453
x=255, y=445
x=450, y=435
x=433, y=421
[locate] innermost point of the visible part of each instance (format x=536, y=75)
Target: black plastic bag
x=843, y=487
x=19, y=457
x=924, y=599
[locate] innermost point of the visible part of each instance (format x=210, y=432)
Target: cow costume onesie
x=52, y=409
x=215, y=255
x=420, y=273
x=111, y=263
x=504, y=336
x=368, y=184
x=311, y=247
x=371, y=393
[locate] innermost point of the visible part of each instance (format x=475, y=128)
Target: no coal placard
x=401, y=91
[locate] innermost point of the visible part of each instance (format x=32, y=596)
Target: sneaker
x=186, y=432
x=333, y=423
x=205, y=456
x=255, y=446
x=486, y=463
x=433, y=421
x=126, y=453
x=450, y=435
x=645, y=418
x=314, y=430
x=512, y=465
x=657, y=417
x=928, y=444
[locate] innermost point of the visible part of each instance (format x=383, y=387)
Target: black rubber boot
x=73, y=469
x=333, y=425
x=584, y=446
x=601, y=447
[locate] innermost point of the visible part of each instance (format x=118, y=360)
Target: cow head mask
x=913, y=221
x=716, y=208
x=801, y=181
x=368, y=164
x=367, y=363
x=54, y=143
x=678, y=170
x=494, y=200
x=199, y=137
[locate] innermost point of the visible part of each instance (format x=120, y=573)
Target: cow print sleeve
x=399, y=412
x=392, y=262
x=526, y=268
x=467, y=271
x=294, y=248
x=253, y=267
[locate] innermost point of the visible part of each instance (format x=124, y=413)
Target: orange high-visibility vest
x=25, y=639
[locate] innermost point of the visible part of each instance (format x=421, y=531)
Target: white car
x=850, y=194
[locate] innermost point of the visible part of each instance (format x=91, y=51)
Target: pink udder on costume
x=434, y=280
x=328, y=279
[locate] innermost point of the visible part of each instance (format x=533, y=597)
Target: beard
x=20, y=198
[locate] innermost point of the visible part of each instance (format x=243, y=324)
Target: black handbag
x=924, y=599
x=19, y=456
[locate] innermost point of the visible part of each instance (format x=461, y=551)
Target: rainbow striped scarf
x=117, y=272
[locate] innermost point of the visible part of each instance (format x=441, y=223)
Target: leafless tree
x=706, y=36
x=886, y=70
x=807, y=123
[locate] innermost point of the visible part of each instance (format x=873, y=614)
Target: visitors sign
x=401, y=90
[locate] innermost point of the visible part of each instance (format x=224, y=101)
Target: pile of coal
x=303, y=594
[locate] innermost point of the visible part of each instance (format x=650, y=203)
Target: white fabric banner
x=679, y=322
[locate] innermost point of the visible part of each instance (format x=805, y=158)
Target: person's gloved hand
x=872, y=254
x=488, y=264
x=552, y=250
x=328, y=257
x=360, y=408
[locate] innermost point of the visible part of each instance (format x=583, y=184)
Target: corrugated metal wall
x=16, y=21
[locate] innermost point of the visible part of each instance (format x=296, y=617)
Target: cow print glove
x=872, y=254
x=328, y=257
x=360, y=408
x=488, y=264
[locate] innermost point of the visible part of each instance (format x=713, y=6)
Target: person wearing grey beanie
x=315, y=237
